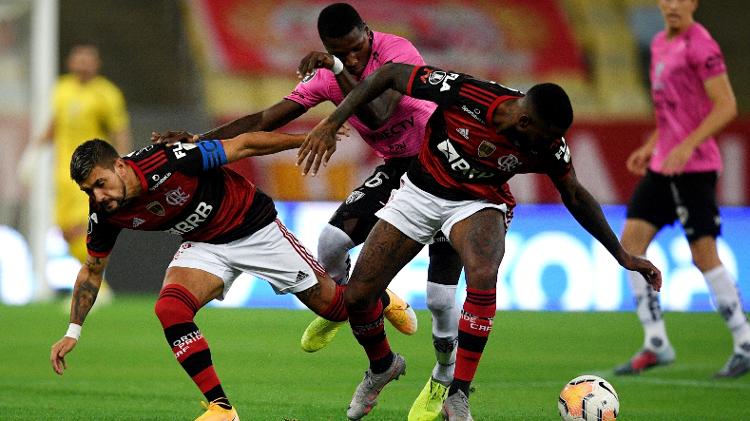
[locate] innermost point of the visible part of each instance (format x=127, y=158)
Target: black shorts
x=356, y=215
x=689, y=198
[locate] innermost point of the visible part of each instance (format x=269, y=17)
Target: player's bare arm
x=587, y=211
x=373, y=114
x=271, y=118
x=84, y=295
x=260, y=143
x=724, y=110
x=320, y=143
x=637, y=162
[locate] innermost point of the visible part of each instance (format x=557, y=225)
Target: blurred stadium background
x=195, y=64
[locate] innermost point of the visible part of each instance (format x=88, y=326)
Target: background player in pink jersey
x=393, y=125
x=680, y=162
x=228, y=226
x=480, y=135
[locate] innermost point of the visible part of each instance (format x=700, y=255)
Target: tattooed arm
x=84, y=294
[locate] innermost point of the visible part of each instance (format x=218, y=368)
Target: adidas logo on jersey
x=137, y=221
x=463, y=132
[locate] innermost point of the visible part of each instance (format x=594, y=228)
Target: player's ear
x=524, y=121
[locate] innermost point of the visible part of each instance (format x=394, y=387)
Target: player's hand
x=637, y=162
x=59, y=350
x=170, y=138
x=675, y=161
x=645, y=268
x=314, y=60
x=318, y=147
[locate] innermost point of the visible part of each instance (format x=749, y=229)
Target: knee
x=441, y=297
x=482, y=277
x=333, y=243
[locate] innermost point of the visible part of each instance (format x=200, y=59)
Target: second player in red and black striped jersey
x=185, y=191
x=463, y=157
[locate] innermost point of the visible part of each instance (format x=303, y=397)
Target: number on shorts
x=376, y=179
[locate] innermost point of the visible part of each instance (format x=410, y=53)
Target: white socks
x=728, y=304
x=649, y=313
x=441, y=300
x=333, y=253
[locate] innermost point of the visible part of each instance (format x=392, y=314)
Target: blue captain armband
x=213, y=153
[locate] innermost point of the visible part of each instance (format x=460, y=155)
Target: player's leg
x=650, y=208
x=442, y=277
x=347, y=228
x=185, y=291
x=386, y=251
x=702, y=225
x=480, y=241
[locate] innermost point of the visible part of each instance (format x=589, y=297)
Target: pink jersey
x=402, y=134
x=679, y=68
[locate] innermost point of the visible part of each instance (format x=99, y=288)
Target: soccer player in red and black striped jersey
x=480, y=135
x=229, y=227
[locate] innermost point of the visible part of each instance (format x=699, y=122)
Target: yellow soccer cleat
x=319, y=334
x=400, y=314
x=215, y=412
x=429, y=403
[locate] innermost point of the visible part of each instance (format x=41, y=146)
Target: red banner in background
x=599, y=151
x=488, y=39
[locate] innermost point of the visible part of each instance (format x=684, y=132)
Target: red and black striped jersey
x=463, y=157
x=185, y=190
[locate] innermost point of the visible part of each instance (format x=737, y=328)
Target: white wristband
x=338, y=66
x=74, y=331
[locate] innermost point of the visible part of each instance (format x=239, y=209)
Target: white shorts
x=272, y=253
x=419, y=214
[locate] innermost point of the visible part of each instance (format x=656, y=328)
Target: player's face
x=83, y=61
x=106, y=187
x=677, y=14
x=353, y=49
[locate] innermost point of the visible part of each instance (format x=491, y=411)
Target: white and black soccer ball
x=589, y=398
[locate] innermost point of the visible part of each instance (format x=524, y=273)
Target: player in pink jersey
x=393, y=125
x=480, y=135
x=228, y=226
x=680, y=162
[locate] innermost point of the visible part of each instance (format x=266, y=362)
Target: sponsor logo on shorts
x=177, y=197
x=354, y=196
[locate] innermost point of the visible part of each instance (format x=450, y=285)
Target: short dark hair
x=551, y=104
x=337, y=20
x=88, y=155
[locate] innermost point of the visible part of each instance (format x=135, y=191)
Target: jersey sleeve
x=312, y=90
x=154, y=164
x=101, y=236
x=704, y=55
x=435, y=85
x=558, y=162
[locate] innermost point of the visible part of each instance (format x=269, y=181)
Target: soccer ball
x=588, y=397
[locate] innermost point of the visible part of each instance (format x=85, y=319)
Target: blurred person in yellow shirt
x=85, y=105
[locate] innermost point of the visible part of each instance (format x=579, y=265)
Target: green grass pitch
x=122, y=368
